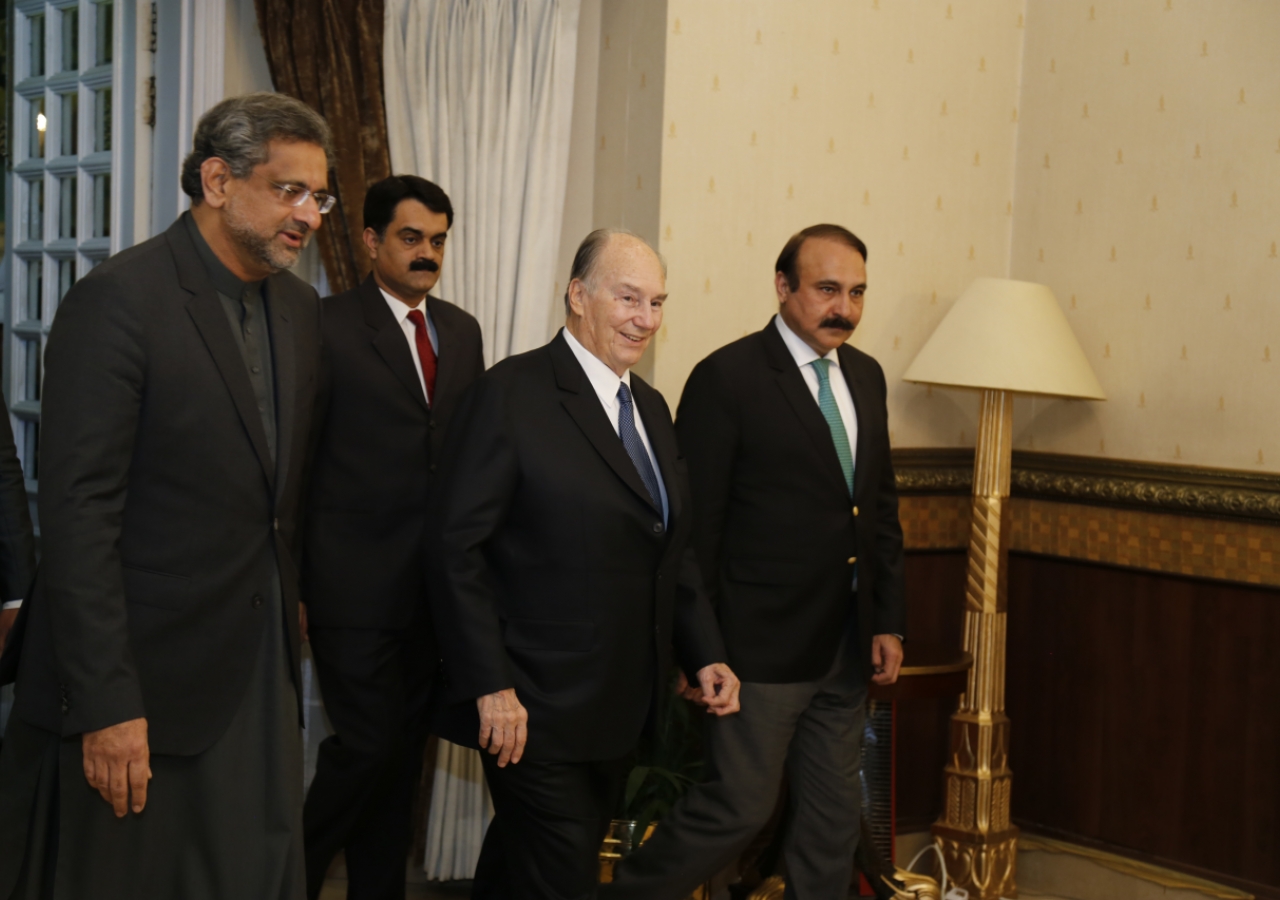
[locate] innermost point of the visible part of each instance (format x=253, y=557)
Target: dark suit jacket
x=775, y=526
x=552, y=570
x=378, y=447
x=163, y=518
x=17, y=545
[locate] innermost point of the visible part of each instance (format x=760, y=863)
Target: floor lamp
x=1000, y=337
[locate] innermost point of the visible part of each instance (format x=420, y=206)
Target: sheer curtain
x=479, y=99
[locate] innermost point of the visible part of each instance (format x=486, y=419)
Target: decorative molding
x=1150, y=487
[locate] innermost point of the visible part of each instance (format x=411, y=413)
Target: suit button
x=855, y=512
x=256, y=601
x=432, y=467
x=657, y=528
x=852, y=560
x=431, y=426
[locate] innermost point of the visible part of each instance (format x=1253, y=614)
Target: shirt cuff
x=12, y=604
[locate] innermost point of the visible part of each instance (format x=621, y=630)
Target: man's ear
x=371, y=242
x=214, y=177
x=780, y=284
x=577, y=303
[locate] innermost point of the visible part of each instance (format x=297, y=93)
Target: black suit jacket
x=17, y=545
x=378, y=447
x=775, y=525
x=555, y=573
x=163, y=518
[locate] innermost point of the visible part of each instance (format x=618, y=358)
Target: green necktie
x=831, y=412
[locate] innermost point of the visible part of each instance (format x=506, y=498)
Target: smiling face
x=407, y=259
x=618, y=309
x=826, y=304
x=263, y=232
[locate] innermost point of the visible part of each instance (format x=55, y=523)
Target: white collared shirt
x=401, y=311
x=606, y=381
x=804, y=356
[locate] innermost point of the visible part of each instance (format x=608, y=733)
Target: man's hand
x=690, y=692
x=302, y=622
x=117, y=761
x=7, y=618
x=503, y=724
x=886, y=658
x=719, y=689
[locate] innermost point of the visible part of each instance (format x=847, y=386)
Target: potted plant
x=667, y=763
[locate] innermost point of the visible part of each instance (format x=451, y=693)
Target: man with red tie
x=397, y=360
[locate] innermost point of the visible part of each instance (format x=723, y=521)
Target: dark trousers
x=375, y=687
x=810, y=730
x=550, y=819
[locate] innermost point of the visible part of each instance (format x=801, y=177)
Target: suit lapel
x=794, y=388
x=861, y=404
x=662, y=436
x=389, y=339
x=284, y=356
x=584, y=407
x=206, y=311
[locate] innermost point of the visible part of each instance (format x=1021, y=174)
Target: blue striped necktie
x=831, y=412
x=634, y=446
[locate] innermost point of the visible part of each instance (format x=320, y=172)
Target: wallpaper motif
x=896, y=120
x=1127, y=154
x=1153, y=217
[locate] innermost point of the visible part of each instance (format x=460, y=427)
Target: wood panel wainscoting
x=1143, y=678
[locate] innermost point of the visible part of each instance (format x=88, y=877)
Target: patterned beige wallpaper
x=894, y=119
x=992, y=137
x=1148, y=197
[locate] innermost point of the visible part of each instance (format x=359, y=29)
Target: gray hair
x=587, y=258
x=238, y=130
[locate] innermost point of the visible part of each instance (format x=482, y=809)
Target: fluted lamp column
x=1001, y=337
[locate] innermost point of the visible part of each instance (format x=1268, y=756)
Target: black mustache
x=839, y=322
x=424, y=265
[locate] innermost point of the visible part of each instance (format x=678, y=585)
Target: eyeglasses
x=295, y=196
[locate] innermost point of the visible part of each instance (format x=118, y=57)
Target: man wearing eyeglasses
x=155, y=748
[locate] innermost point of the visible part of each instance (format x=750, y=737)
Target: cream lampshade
x=1006, y=335
x=1001, y=337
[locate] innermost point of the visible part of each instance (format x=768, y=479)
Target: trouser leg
x=823, y=764
x=715, y=821
x=549, y=821
x=374, y=684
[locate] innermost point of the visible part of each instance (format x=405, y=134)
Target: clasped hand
x=717, y=689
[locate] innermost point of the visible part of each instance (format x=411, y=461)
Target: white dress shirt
x=804, y=355
x=401, y=311
x=606, y=381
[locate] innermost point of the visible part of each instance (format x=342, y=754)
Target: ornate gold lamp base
x=978, y=842
x=986, y=867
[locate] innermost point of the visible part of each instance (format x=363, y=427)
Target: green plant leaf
x=634, y=782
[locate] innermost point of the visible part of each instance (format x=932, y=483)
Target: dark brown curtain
x=328, y=54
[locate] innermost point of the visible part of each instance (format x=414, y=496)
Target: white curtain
x=460, y=813
x=479, y=97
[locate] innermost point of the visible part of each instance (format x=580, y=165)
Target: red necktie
x=426, y=353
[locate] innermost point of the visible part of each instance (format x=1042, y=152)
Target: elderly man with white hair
x=563, y=578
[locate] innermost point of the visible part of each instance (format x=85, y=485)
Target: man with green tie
x=796, y=529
